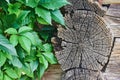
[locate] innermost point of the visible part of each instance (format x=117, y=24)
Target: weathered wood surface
x=54, y=72
x=111, y=1
x=113, y=69
x=113, y=20
x=86, y=42
x=87, y=5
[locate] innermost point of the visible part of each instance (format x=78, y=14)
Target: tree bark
x=86, y=42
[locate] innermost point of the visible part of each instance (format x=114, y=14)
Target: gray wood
x=86, y=43
x=84, y=5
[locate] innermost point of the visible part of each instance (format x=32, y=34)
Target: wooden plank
x=114, y=10
x=113, y=68
x=54, y=72
x=113, y=20
x=111, y=1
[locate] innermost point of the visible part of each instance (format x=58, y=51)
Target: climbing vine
x=26, y=27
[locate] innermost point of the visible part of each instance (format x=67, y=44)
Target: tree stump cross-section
x=86, y=43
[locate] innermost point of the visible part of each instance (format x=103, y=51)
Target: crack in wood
x=86, y=42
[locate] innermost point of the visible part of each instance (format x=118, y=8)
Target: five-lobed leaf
x=43, y=13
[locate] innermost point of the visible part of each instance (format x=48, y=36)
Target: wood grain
x=111, y=1
x=113, y=69
x=86, y=42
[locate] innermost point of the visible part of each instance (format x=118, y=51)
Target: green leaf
x=44, y=1
x=43, y=61
x=24, y=29
x=11, y=31
x=43, y=13
x=29, y=58
x=14, y=8
x=7, y=77
x=23, y=15
x=54, y=4
x=1, y=75
x=34, y=65
x=24, y=77
x=7, y=55
x=50, y=57
x=18, y=72
x=42, y=21
x=10, y=72
x=21, y=52
x=21, y=18
x=14, y=40
x=47, y=47
x=16, y=62
x=2, y=59
x=27, y=70
x=38, y=40
x=32, y=3
x=25, y=43
x=41, y=70
x=31, y=37
x=57, y=16
x=6, y=46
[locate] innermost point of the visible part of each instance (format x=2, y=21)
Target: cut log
x=82, y=74
x=84, y=5
x=86, y=43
